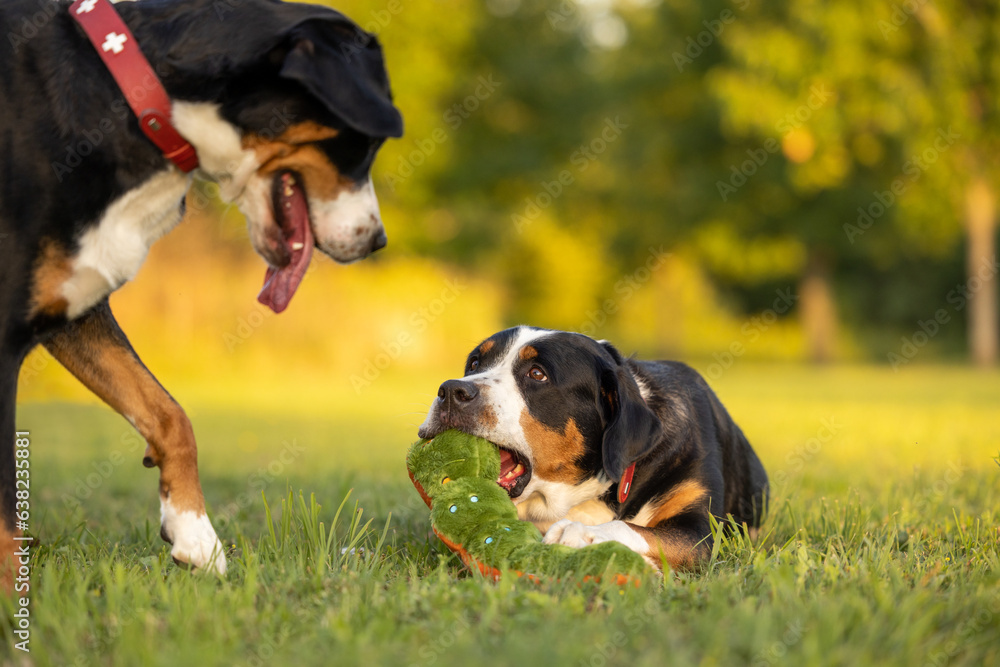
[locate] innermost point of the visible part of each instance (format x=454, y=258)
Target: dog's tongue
x=507, y=462
x=293, y=214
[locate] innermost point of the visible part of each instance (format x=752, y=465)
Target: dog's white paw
x=193, y=538
x=575, y=534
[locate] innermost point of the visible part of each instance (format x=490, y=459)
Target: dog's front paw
x=194, y=541
x=575, y=534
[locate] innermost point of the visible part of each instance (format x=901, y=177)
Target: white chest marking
x=112, y=251
x=543, y=500
x=221, y=156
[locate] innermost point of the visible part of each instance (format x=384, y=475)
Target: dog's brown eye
x=474, y=364
x=536, y=373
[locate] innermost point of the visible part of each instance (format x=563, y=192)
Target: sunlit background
x=746, y=186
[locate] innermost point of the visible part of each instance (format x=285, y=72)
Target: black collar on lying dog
x=119, y=51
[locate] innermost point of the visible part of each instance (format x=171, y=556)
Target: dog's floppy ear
x=341, y=65
x=631, y=429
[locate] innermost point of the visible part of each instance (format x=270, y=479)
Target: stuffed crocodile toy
x=456, y=475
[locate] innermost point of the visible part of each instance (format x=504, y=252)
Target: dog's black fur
x=584, y=414
x=70, y=146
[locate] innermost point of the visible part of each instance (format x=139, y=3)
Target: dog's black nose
x=379, y=241
x=457, y=392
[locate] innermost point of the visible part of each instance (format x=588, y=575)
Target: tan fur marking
x=554, y=453
x=294, y=150
x=52, y=270
x=486, y=346
x=527, y=352
x=488, y=418
x=680, y=555
x=307, y=133
x=680, y=498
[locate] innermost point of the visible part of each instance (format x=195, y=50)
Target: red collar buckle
x=118, y=49
x=625, y=485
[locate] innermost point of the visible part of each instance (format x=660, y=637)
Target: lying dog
x=283, y=105
x=594, y=447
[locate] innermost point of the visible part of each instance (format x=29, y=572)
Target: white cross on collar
x=114, y=42
x=86, y=7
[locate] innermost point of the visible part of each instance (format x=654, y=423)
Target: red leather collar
x=120, y=52
x=625, y=485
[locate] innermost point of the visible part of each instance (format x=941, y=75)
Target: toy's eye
x=536, y=373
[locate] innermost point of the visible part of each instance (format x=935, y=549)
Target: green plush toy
x=456, y=475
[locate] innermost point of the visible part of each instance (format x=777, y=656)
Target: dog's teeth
x=289, y=192
x=518, y=470
x=298, y=246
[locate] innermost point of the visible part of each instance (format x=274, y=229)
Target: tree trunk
x=980, y=219
x=817, y=310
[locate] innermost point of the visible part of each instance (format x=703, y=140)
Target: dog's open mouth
x=291, y=212
x=515, y=472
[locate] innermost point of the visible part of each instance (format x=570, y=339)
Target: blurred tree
x=900, y=151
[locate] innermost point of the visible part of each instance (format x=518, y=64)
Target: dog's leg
x=680, y=541
x=94, y=349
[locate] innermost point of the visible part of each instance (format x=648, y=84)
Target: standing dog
x=595, y=447
x=285, y=105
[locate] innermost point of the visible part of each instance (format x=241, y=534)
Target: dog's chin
x=344, y=255
x=426, y=433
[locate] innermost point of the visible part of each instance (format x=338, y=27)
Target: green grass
x=881, y=546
